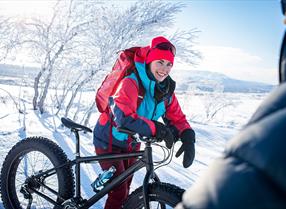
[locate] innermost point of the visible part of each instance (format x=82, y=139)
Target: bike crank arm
x=30, y=203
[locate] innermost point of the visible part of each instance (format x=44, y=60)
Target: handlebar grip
x=126, y=131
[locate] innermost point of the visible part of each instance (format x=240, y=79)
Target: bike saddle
x=72, y=125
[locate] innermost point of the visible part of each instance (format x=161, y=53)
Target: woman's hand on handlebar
x=164, y=133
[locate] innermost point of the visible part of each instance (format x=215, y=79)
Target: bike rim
x=30, y=164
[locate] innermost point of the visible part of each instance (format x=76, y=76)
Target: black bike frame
x=145, y=159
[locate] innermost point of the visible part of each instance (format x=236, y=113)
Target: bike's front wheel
x=161, y=196
x=22, y=182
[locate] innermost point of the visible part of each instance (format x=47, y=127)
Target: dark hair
x=149, y=73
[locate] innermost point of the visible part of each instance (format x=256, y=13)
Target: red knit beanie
x=156, y=53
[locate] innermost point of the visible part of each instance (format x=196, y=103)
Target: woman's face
x=160, y=69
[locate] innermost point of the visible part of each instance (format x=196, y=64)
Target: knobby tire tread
x=55, y=154
x=158, y=191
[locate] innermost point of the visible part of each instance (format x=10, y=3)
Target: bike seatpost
x=77, y=165
x=77, y=151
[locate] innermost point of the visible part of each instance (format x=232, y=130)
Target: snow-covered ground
x=212, y=134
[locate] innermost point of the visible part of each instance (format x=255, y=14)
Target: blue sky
x=238, y=38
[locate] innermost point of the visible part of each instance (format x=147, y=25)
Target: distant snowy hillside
x=17, y=71
x=211, y=81
x=186, y=80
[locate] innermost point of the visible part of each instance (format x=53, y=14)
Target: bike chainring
x=69, y=204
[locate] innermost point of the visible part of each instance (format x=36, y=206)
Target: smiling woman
x=26, y=8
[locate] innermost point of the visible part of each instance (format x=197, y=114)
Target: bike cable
x=166, y=154
x=168, y=159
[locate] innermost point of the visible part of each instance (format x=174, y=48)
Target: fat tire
x=52, y=151
x=160, y=192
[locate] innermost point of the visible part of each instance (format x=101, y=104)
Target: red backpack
x=124, y=66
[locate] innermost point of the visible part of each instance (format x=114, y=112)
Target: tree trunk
x=36, y=88
x=78, y=108
x=88, y=114
x=45, y=92
x=72, y=98
x=78, y=88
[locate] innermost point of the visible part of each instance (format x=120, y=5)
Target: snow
x=211, y=134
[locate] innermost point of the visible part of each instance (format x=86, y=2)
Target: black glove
x=188, y=139
x=164, y=133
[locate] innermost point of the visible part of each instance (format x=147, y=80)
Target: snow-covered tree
x=114, y=29
x=9, y=38
x=50, y=40
x=215, y=101
x=78, y=43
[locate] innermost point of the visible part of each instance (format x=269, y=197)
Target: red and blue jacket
x=126, y=112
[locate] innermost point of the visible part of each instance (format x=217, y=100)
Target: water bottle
x=102, y=178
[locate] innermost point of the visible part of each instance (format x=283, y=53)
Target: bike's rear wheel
x=27, y=158
x=161, y=196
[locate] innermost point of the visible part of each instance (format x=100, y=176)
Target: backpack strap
x=111, y=123
x=141, y=92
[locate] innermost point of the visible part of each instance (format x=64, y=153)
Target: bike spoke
x=29, y=165
x=35, y=176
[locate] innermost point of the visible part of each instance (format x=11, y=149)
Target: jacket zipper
x=154, y=109
x=154, y=100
